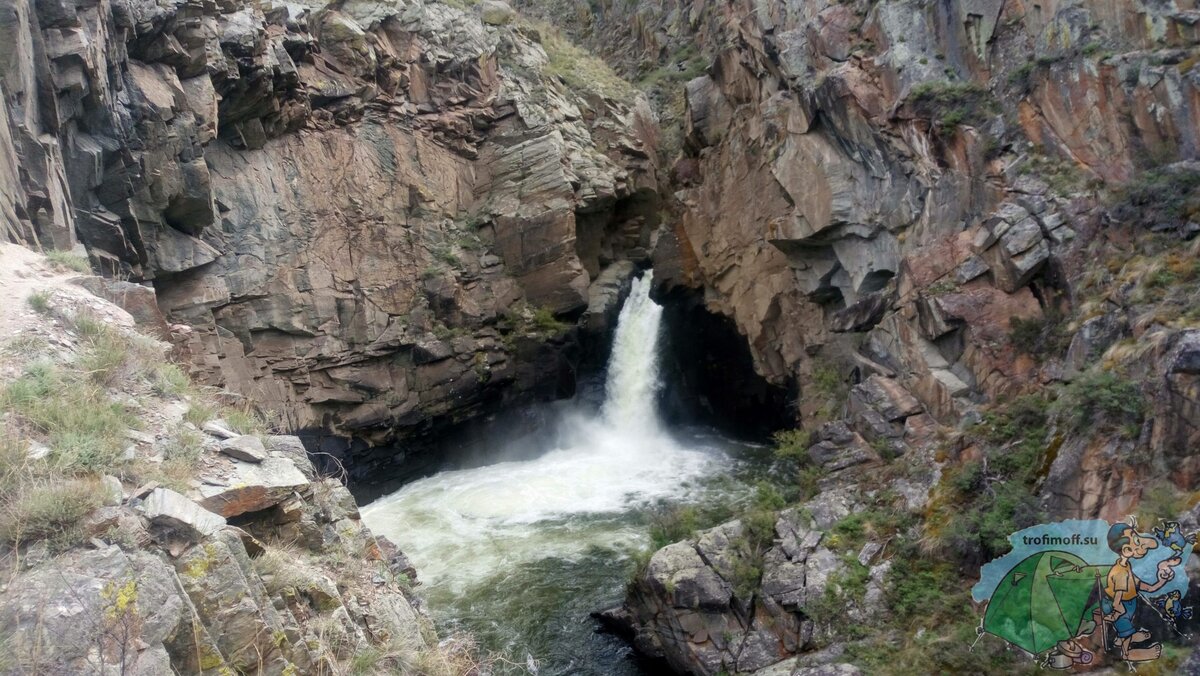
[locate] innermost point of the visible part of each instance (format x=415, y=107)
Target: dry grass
x=36, y=502
x=69, y=261
x=39, y=301
x=70, y=408
x=278, y=568
x=577, y=67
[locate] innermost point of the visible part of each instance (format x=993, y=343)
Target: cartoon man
x=1122, y=588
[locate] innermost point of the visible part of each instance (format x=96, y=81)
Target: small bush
x=978, y=504
x=545, y=322
x=200, y=412
x=244, y=420
x=46, y=508
x=1042, y=337
x=828, y=388
x=1020, y=78
x=670, y=523
x=951, y=104
x=39, y=301
x=791, y=446
x=1161, y=196
x=170, y=380
x=577, y=67
x=1102, y=400
x=445, y=254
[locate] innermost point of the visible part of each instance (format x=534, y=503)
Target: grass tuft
x=39, y=301
x=67, y=260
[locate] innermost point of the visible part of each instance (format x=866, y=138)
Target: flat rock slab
x=166, y=507
x=253, y=487
x=245, y=447
x=219, y=429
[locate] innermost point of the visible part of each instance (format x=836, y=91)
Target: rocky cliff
x=983, y=211
x=150, y=526
x=367, y=215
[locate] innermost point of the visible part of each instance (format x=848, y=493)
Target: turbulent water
x=520, y=552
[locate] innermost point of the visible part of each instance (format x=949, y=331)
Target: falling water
x=633, y=367
x=520, y=552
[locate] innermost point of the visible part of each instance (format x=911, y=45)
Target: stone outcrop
x=873, y=169
x=716, y=605
x=193, y=561
x=353, y=209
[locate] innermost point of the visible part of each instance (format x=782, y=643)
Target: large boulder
x=166, y=508
x=104, y=609
x=251, y=487
x=496, y=12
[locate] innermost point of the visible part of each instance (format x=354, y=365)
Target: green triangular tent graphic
x=1042, y=600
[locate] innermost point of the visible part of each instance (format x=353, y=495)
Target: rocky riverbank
x=151, y=526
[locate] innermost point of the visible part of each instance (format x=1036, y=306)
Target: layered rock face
x=885, y=186
x=885, y=191
x=357, y=210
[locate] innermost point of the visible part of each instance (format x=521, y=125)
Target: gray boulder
x=245, y=447
x=496, y=13
x=165, y=507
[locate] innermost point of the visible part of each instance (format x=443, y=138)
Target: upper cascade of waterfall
x=632, y=382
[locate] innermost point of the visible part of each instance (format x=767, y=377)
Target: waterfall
x=632, y=382
x=523, y=549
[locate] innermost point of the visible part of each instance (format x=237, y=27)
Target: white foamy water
x=463, y=528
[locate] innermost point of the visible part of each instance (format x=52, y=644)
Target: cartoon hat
x=1116, y=533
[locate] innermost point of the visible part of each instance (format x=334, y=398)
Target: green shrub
x=244, y=420
x=673, y=523
x=1159, y=196
x=170, y=380
x=200, y=412
x=792, y=446
x=1041, y=337
x=1020, y=78
x=951, y=104
x=978, y=504
x=545, y=322
x=578, y=68
x=1102, y=400
x=445, y=254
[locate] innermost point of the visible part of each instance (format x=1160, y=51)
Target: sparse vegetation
x=1020, y=78
x=445, y=254
x=545, y=321
x=68, y=260
x=942, y=287
x=577, y=67
x=1042, y=337
x=1102, y=400
x=39, y=301
x=980, y=502
x=951, y=104
x=1161, y=196
x=83, y=427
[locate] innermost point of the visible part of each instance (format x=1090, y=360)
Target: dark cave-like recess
x=709, y=375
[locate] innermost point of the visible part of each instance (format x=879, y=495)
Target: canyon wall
x=953, y=227
x=364, y=217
